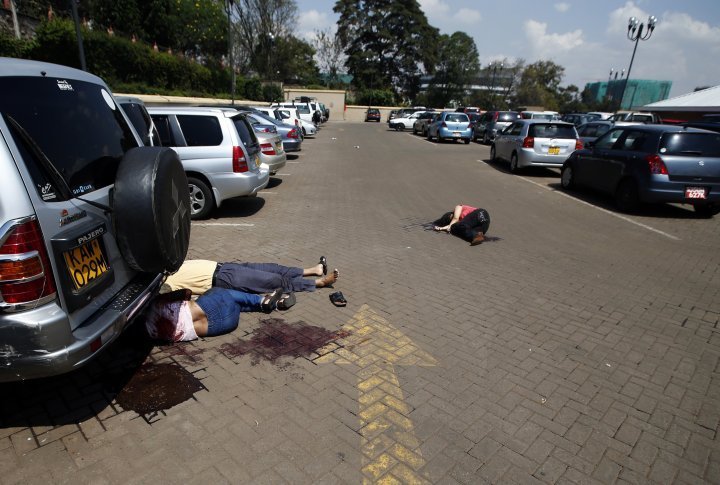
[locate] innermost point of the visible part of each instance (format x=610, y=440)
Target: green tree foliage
x=539, y=85
x=388, y=43
x=293, y=61
x=456, y=70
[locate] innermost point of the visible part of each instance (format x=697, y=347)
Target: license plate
x=456, y=133
x=554, y=151
x=86, y=263
x=695, y=192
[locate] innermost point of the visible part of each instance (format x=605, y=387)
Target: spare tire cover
x=151, y=210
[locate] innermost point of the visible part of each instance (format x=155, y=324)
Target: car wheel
x=467, y=141
x=567, y=177
x=493, y=154
x=514, y=166
x=485, y=141
x=304, y=132
x=201, y=199
x=400, y=127
x=424, y=131
x=414, y=130
x=707, y=210
x=429, y=136
x=627, y=198
x=151, y=210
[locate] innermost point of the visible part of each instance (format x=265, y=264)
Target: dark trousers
x=472, y=224
x=261, y=278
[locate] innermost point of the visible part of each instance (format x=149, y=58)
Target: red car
x=372, y=114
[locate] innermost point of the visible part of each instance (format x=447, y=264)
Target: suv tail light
x=267, y=148
x=656, y=164
x=528, y=142
x=25, y=272
x=578, y=144
x=239, y=163
x=292, y=133
x=496, y=115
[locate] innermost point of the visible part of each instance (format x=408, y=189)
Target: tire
x=151, y=210
x=627, y=198
x=514, y=167
x=567, y=177
x=467, y=141
x=400, y=127
x=485, y=141
x=707, y=210
x=304, y=132
x=201, y=199
x=493, y=153
x=414, y=130
x=429, y=137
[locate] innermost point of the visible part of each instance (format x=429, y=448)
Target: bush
x=12, y=47
x=272, y=93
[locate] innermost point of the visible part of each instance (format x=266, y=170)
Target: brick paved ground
x=580, y=347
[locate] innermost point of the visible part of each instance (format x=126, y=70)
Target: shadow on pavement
x=274, y=182
x=291, y=156
x=74, y=397
x=540, y=172
x=239, y=207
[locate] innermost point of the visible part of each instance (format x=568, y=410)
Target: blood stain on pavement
x=276, y=338
x=157, y=387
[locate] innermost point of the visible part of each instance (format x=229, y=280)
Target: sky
x=586, y=37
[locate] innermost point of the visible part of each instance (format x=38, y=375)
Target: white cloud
x=467, y=16
x=547, y=46
x=562, y=7
x=312, y=20
x=434, y=8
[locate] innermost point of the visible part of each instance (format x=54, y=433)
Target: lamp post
x=231, y=58
x=635, y=34
x=492, y=85
x=367, y=61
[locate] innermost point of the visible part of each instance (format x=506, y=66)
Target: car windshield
x=267, y=118
x=551, y=130
x=690, y=144
x=457, y=117
x=301, y=108
x=79, y=111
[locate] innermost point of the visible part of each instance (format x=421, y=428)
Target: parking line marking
x=238, y=224
x=265, y=192
x=619, y=216
x=283, y=174
x=292, y=161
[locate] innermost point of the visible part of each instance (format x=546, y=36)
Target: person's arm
x=455, y=218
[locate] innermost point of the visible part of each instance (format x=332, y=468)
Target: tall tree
x=258, y=26
x=456, y=70
x=388, y=43
x=539, y=85
x=329, y=54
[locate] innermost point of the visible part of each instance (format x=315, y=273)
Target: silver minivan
x=89, y=219
x=219, y=151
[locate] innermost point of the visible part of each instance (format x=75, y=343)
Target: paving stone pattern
x=580, y=347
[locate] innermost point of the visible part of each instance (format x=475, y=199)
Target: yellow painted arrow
x=390, y=450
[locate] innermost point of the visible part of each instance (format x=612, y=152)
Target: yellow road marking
x=390, y=450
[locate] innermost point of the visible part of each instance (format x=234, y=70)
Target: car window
x=200, y=131
x=644, y=118
x=515, y=129
x=507, y=116
x=634, y=141
x=551, y=130
x=690, y=144
x=608, y=139
x=138, y=116
x=80, y=111
x=162, y=124
x=456, y=117
x=244, y=130
x=602, y=129
x=588, y=130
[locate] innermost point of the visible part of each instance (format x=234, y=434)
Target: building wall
x=639, y=92
x=333, y=99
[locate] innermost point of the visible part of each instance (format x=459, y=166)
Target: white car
x=404, y=122
x=291, y=115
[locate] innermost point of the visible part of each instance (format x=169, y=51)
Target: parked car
x=600, y=115
x=308, y=128
x=219, y=151
x=421, y=122
x=138, y=115
x=450, y=125
x=404, y=121
x=303, y=110
x=404, y=113
x=592, y=130
x=272, y=155
x=577, y=119
x=539, y=115
x=636, y=116
x=290, y=135
x=392, y=114
x=372, y=114
x=491, y=122
x=538, y=143
x=651, y=163
x=90, y=219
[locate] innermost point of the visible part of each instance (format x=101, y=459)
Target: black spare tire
x=151, y=210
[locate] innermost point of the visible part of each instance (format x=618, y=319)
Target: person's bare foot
x=328, y=280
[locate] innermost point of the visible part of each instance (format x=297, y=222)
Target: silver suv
x=89, y=219
x=219, y=150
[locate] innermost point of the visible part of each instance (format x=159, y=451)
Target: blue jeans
x=223, y=307
x=261, y=277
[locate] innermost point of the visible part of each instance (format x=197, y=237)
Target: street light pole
x=635, y=34
x=231, y=58
x=367, y=61
x=492, y=85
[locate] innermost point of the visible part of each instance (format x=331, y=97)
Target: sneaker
x=286, y=301
x=478, y=239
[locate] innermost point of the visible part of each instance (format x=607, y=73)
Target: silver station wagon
x=89, y=219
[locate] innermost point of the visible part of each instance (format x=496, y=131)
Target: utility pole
x=78, y=34
x=16, y=26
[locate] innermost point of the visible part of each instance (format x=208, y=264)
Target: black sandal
x=269, y=303
x=323, y=261
x=338, y=299
x=286, y=301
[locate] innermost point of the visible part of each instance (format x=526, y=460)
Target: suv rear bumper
x=39, y=343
